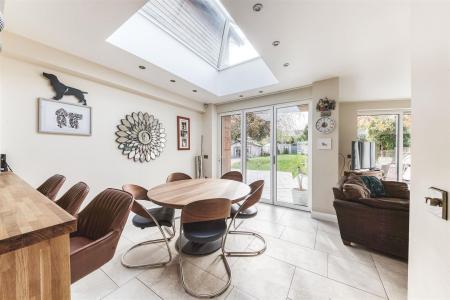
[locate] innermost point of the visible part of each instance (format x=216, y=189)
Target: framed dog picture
x=184, y=133
x=64, y=118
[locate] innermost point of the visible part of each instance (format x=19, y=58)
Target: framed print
x=324, y=144
x=184, y=133
x=64, y=118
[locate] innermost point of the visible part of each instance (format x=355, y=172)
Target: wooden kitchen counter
x=34, y=243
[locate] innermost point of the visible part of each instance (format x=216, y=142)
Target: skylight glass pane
x=237, y=48
x=205, y=27
x=198, y=24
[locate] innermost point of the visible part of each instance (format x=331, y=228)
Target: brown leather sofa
x=99, y=228
x=381, y=224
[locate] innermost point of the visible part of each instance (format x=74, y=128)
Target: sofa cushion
x=386, y=203
x=355, y=191
x=375, y=186
x=395, y=189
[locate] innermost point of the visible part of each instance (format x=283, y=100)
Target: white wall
x=324, y=162
x=210, y=141
x=429, y=242
x=94, y=159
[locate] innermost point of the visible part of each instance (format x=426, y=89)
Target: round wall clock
x=325, y=125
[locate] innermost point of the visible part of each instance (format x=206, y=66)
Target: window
x=205, y=27
x=391, y=133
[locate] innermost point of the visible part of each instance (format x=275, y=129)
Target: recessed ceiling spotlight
x=286, y=64
x=172, y=80
x=261, y=92
x=142, y=67
x=195, y=91
x=241, y=96
x=275, y=43
x=257, y=7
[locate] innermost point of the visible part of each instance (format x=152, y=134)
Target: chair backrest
x=139, y=193
x=256, y=189
x=51, y=186
x=177, y=176
x=233, y=175
x=72, y=199
x=107, y=212
x=206, y=210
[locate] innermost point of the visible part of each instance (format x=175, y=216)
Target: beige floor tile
x=166, y=282
x=307, y=285
x=290, y=236
x=330, y=227
x=332, y=244
x=299, y=220
x=152, y=253
x=237, y=294
x=303, y=257
x=263, y=227
x=394, y=275
x=270, y=213
x=93, y=286
x=299, y=237
x=355, y=274
x=133, y=290
x=263, y=277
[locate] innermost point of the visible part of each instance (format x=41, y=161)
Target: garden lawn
x=285, y=163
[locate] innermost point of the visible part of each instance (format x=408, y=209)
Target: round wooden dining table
x=177, y=194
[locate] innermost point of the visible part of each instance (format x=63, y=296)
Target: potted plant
x=299, y=195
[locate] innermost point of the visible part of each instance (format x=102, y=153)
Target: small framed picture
x=184, y=133
x=324, y=144
x=64, y=118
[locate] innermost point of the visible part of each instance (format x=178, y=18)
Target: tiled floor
x=305, y=259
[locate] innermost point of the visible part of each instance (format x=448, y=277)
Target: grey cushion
x=163, y=215
x=245, y=214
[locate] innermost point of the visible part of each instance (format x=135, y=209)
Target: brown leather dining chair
x=247, y=210
x=99, y=228
x=72, y=199
x=205, y=221
x=178, y=176
x=233, y=175
x=152, y=217
x=51, y=186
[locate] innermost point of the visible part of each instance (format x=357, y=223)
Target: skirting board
x=323, y=216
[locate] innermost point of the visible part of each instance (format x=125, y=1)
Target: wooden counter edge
x=30, y=238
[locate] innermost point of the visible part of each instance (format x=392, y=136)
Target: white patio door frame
x=273, y=153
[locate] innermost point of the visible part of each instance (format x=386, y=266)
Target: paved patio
x=286, y=185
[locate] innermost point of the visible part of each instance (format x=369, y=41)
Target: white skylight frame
x=158, y=12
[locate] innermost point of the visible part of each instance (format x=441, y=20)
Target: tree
x=258, y=129
x=382, y=131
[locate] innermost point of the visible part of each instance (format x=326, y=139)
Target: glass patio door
x=258, y=155
x=292, y=156
x=272, y=144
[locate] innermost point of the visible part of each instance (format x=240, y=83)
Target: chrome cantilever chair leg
x=241, y=232
x=227, y=268
x=164, y=239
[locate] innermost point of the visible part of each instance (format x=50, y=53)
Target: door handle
x=433, y=201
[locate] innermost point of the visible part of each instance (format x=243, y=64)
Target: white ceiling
x=364, y=42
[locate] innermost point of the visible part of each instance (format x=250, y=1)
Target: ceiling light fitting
x=276, y=43
x=257, y=7
x=195, y=91
x=286, y=65
x=261, y=92
x=172, y=80
x=142, y=67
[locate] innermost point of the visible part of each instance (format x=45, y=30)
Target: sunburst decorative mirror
x=141, y=137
